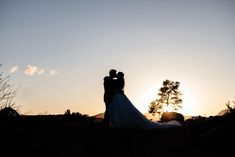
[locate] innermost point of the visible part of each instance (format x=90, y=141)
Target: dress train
x=123, y=114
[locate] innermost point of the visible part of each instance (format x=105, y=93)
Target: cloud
x=14, y=69
x=53, y=72
x=31, y=70
x=34, y=70
x=40, y=71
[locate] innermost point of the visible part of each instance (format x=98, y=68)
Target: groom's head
x=112, y=73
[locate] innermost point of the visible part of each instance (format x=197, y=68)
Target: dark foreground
x=68, y=137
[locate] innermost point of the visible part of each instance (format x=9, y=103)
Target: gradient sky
x=58, y=51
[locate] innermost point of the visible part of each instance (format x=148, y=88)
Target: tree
x=169, y=96
x=67, y=112
x=7, y=92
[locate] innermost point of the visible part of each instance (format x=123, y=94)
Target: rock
x=169, y=116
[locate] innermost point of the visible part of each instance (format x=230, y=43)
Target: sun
x=148, y=92
x=168, y=108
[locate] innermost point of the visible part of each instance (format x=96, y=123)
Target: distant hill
x=187, y=117
x=223, y=112
x=99, y=116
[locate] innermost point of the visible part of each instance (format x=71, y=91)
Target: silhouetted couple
x=114, y=83
x=120, y=112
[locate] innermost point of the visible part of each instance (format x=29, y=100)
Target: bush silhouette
x=9, y=113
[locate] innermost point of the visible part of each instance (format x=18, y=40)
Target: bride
x=123, y=114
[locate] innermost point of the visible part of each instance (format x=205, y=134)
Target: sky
x=59, y=51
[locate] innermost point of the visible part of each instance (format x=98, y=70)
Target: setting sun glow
x=144, y=96
x=168, y=108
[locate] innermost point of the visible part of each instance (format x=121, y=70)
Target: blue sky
x=69, y=46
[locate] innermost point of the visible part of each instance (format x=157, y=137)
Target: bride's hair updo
x=120, y=75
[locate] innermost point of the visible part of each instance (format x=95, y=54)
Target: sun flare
x=168, y=108
x=189, y=105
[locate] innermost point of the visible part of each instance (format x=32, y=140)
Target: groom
x=109, y=91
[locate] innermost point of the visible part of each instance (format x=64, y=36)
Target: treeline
x=8, y=114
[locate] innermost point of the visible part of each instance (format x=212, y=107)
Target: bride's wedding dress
x=123, y=114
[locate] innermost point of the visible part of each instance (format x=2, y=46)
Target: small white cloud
x=14, y=69
x=40, y=71
x=31, y=70
x=53, y=72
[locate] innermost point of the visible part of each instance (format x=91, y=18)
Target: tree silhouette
x=169, y=94
x=67, y=112
x=7, y=92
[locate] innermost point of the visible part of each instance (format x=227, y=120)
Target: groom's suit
x=109, y=91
